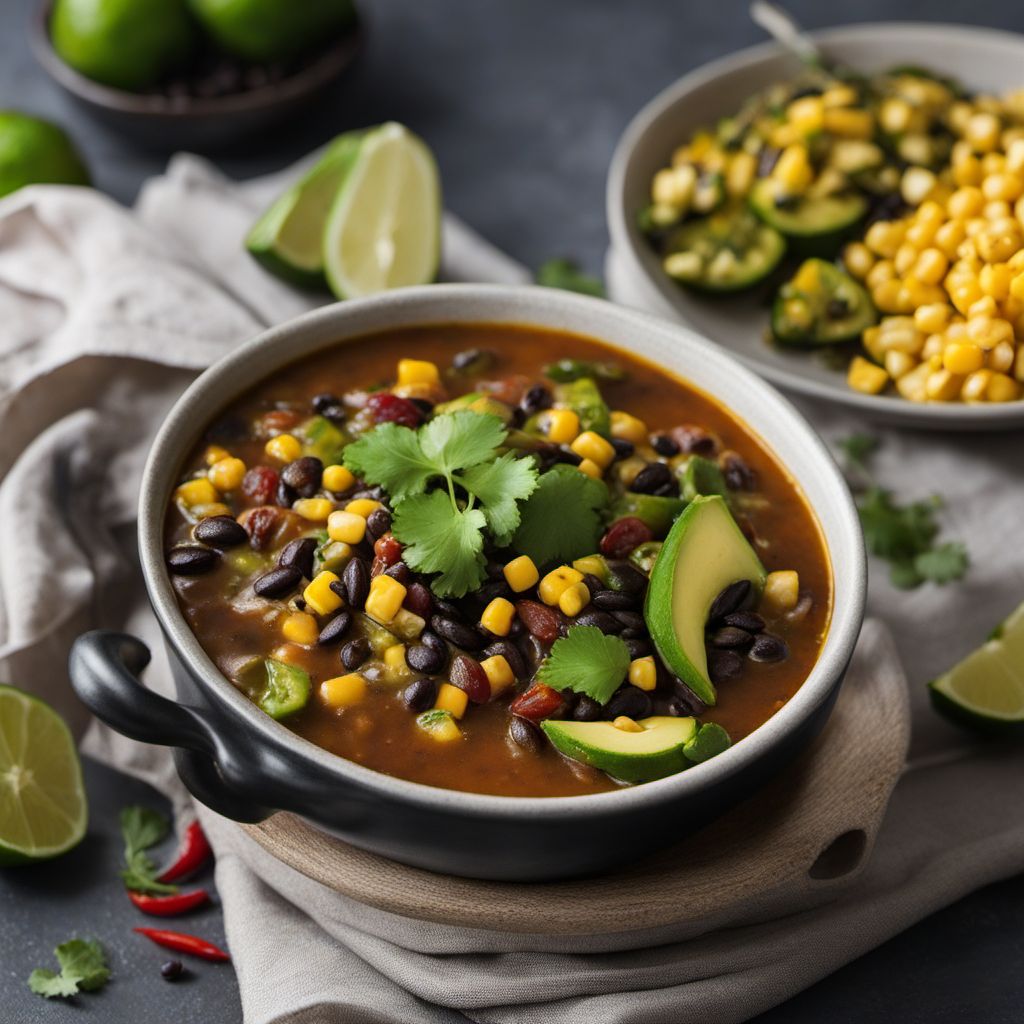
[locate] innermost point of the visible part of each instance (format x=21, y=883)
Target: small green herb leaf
x=858, y=448
x=391, y=456
x=586, y=661
x=83, y=968
x=461, y=439
x=142, y=828
x=561, y=520
x=565, y=274
x=943, y=564
x=500, y=486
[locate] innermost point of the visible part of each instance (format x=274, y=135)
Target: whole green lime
x=268, y=30
x=36, y=152
x=129, y=44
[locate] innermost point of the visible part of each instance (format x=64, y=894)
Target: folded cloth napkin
x=106, y=315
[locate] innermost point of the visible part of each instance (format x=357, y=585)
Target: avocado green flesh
x=655, y=752
x=704, y=552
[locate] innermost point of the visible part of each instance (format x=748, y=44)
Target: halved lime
x=986, y=689
x=289, y=238
x=43, y=809
x=384, y=229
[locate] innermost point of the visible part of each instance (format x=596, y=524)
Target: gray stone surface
x=522, y=101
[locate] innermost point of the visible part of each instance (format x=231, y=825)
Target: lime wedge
x=43, y=811
x=986, y=689
x=384, y=229
x=289, y=238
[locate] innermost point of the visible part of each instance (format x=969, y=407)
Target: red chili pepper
x=169, y=906
x=182, y=943
x=194, y=853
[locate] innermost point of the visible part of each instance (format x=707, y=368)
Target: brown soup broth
x=380, y=732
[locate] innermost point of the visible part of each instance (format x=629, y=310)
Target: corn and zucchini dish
x=883, y=215
x=479, y=569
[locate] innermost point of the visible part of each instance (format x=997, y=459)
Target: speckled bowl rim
x=333, y=325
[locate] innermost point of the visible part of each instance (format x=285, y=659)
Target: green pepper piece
x=645, y=555
x=583, y=396
x=324, y=439
x=701, y=476
x=567, y=370
x=287, y=691
x=657, y=511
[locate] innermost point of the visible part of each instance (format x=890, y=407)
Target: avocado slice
x=657, y=751
x=703, y=553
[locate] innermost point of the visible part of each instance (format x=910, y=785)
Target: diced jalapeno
x=288, y=689
x=657, y=511
x=567, y=370
x=644, y=556
x=698, y=475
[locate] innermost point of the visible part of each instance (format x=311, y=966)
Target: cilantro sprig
x=83, y=968
x=565, y=274
x=586, y=661
x=479, y=489
x=141, y=829
x=904, y=535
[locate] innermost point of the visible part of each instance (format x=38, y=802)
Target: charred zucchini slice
x=821, y=305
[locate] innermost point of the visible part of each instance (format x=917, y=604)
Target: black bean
x=664, y=445
x=694, y=440
x=303, y=475
x=602, y=620
x=378, y=522
x=629, y=578
x=488, y=591
x=420, y=694
x=285, y=496
x=191, y=560
x=508, y=651
x=566, y=455
x=670, y=489
x=731, y=638
x=685, y=696
x=623, y=448
x=533, y=651
x=300, y=604
x=430, y=639
x=278, y=582
x=614, y=600
x=724, y=665
x=355, y=579
x=768, y=647
x=738, y=475
x=639, y=647
x=335, y=413
x=535, y=400
x=172, y=970
x=355, y=652
x=324, y=401
x=593, y=583
x=472, y=359
x=220, y=532
x=751, y=622
x=401, y=572
x=299, y=554
x=651, y=478
x=729, y=600
x=425, y=406
x=335, y=629
x=631, y=620
x=457, y=633
x=587, y=710
x=630, y=701
x=525, y=734
x=428, y=660
x=448, y=610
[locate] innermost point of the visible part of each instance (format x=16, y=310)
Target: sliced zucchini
x=821, y=305
x=725, y=252
x=815, y=224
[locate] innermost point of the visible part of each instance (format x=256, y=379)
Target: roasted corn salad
x=887, y=213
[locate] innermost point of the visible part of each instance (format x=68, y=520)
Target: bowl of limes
x=200, y=74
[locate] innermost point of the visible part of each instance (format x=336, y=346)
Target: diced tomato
x=387, y=549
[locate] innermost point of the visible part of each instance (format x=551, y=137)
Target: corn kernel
x=574, y=599
x=931, y=317
x=807, y=114
x=982, y=132
x=318, y=594
x=948, y=237
x=563, y=426
x=628, y=427
x=215, y=508
x=196, y=492
x=497, y=616
x=284, y=448
x=988, y=331
x=975, y=387
x=839, y=96
x=626, y=724
x=346, y=526
x=1001, y=357
x=439, y=726
x=965, y=202
x=793, y=169
x=858, y=259
x=226, y=474
x=781, y=591
x=417, y=371
x=642, y=673
x=556, y=582
x=963, y=358
x=341, y=691
x=300, y=628
x=214, y=454
x=898, y=363
x=905, y=258
x=895, y=116
x=521, y=573
x=316, y=510
x=881, y=272
x=917, y=184
x=363, y=507
x=1002, y=388
x=931, y=266
x=912, y=385
x=590, y=468
x=593, y=564
x=590, y=445
x=406, y=624
x=1018, y=365
x=499, y=673
x=385, y=598
x=850, y=124
x=943, y=386
x=394, y=662
x=451, y=699
x=740, y=175
x=888, y=296
x=337, y=478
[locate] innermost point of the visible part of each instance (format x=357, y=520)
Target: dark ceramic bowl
x=196, y=123
x=245, y=765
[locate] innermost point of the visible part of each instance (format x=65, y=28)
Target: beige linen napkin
x=104, y=316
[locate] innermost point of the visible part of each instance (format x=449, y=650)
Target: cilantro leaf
x=586, y=661
x=858, y=448
x=439, y=537
x=561, y=519
x=499, y=486
x=83, y=968
x=141, y=829
x=391, y=456
x=460, y=439
x=943, y=564
x=565, y=274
